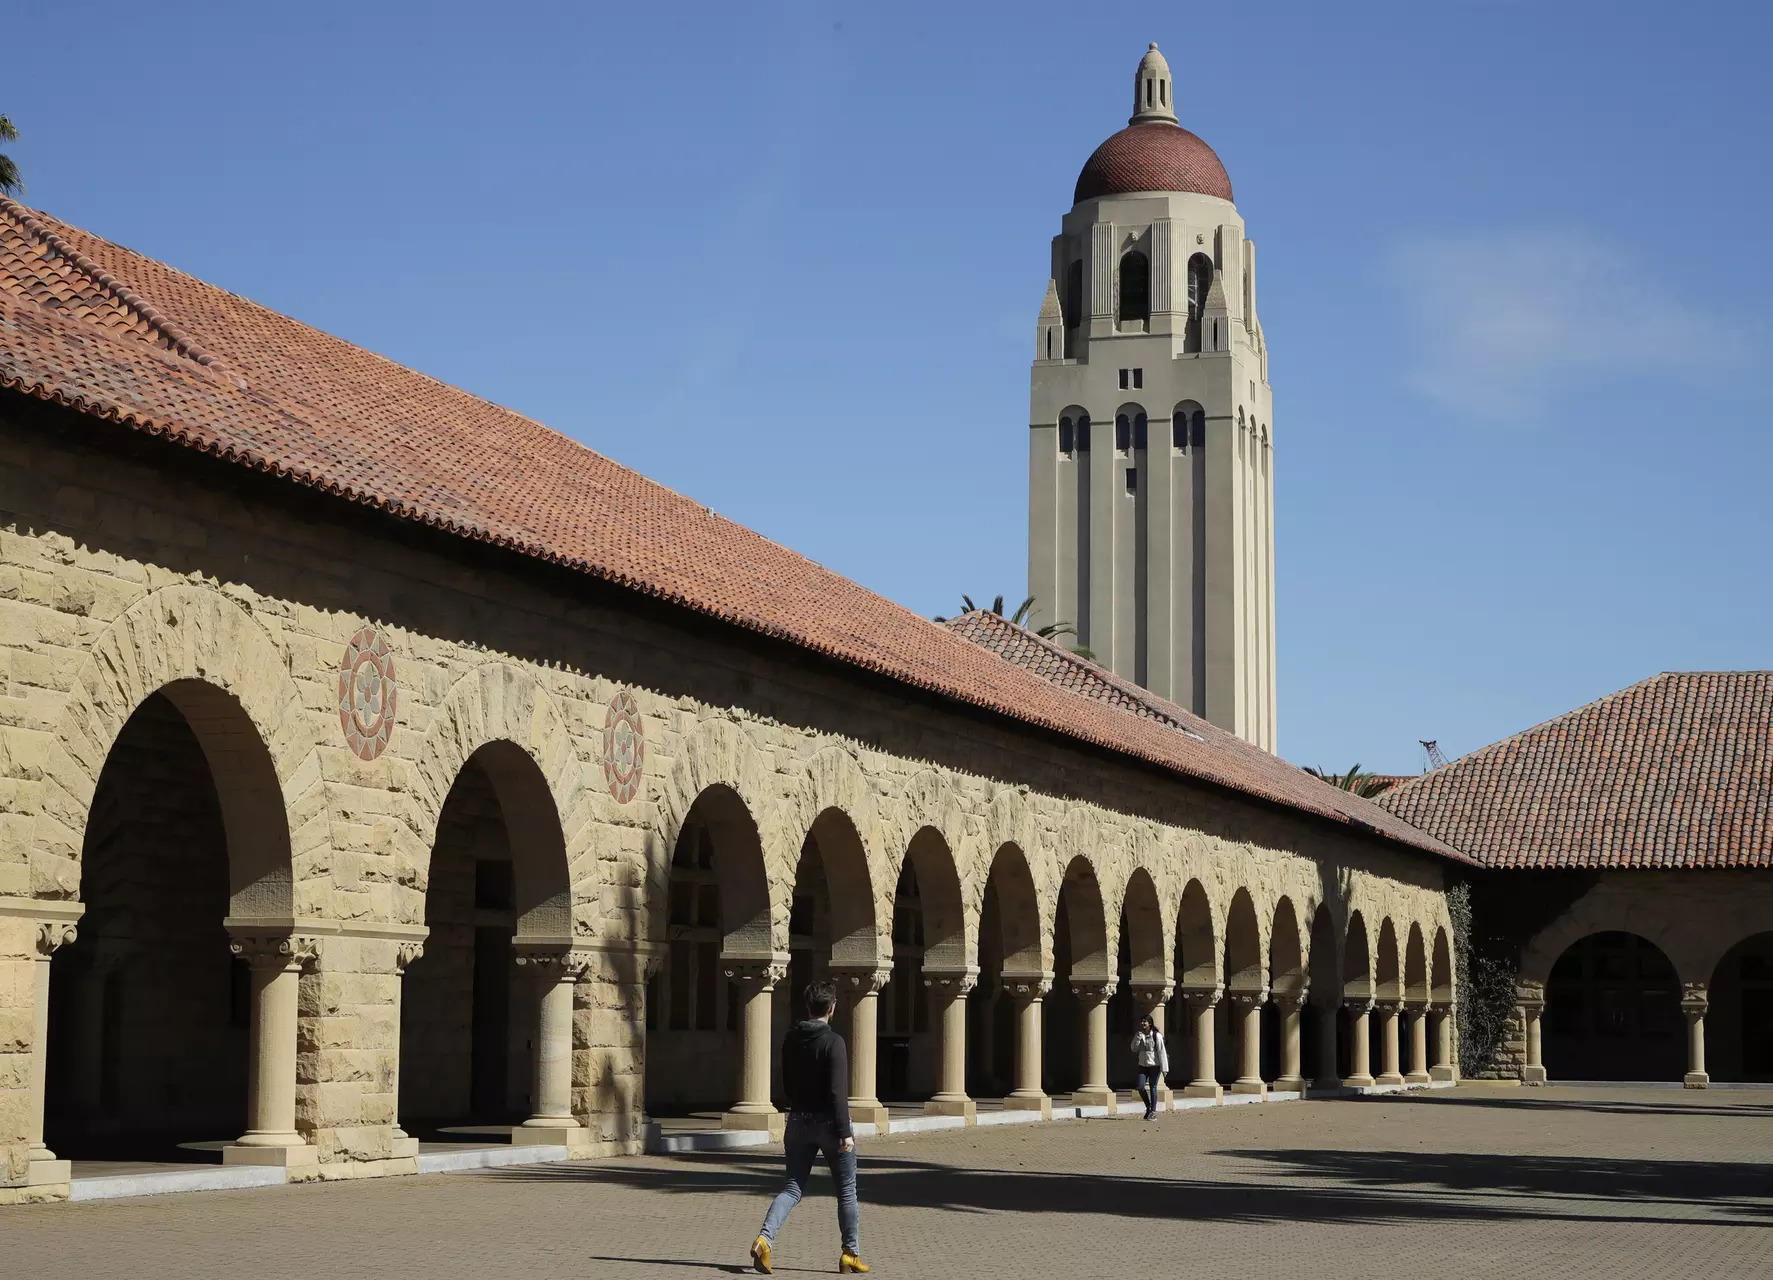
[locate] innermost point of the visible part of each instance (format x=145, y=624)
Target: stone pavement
x=1474, y=1182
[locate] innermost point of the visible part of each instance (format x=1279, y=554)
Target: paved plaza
x=1473, y=1182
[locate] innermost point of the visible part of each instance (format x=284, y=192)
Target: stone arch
x=1197, y=947
x=1322, y=960
x=1286, y=955
x=1739, y=1014
x=1357, y=960
x=1643, y=914
x=1440, y=981
x=1080, y=890
x=1147, y=957
x=1416, y=987
x=855, y=930
x=718, y=780
x=1019, y=919
x=1613, y=1011
x=217, y=665
x=499, y=716
x=1243, y=945
x=947, y=946
x=1386, y=984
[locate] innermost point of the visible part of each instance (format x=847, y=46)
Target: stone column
x=43, y=1169
x=1292, y=1075
x=949, y=992
x=1360, y=1073
x=1694, y=1003
x=1388, y=1043
x=1531, y=1000
x=1326, y=1045
x=756, y=980
x=402, y=1146
x=1418, y=1073
x=1028, y=1094
x=557, y=973
x=276, y=959
x=1151, y=999
x=1443, y=1068
x=1094, y=1091
x=1201, y=1004
x=1247, y=1011
x=861, y=992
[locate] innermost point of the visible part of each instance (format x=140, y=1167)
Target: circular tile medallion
x=366, y=694
x=624, y=747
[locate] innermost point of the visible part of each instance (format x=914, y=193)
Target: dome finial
x=1154, y=99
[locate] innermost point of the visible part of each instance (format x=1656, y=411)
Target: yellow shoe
x=760, y=1255
x=849, y=1262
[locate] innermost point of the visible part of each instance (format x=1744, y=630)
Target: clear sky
x=786, y=258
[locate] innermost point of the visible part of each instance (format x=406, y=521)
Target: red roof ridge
x=175, y=337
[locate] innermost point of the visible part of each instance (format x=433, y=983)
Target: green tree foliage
x=9, y=179
x=1361, y=784
x=1051, y=631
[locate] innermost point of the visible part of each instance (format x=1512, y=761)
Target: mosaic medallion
x=366, y=694
x=624, y=747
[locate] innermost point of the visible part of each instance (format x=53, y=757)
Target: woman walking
x=1153, y=1060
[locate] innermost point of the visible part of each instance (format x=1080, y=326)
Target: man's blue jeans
x=806, y=1137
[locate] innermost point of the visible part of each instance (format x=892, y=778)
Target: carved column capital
x=756, y=975
x=1247, y=1000
x=1695, y=1000
x=275, y=950
x=952, y=984
x=552, y=965
x=405, y=953
x=1415, y=1008
x=1290, y=1001
x=1199, y=998
x=1028, y=988
x=1358, y=1005
x=53, y=934
x=853, y=984
x=1093, y=992
x=1152, y=994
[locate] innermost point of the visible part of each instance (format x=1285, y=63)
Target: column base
x=1290, y=1084
x=48, y=1173
x=1532, y=1075
x=1030, y=1102
x=1204, y=1089
x=403, y=1148
x=298, y=1156
x=1439, y=1075
x=550, y=1135
x=1166, y=1098
x=1389, y=1077
x=1696, y=1080
x=963, y=1107
x=1095, y=1098
x=1357, y=1082
x=1418, y=1077
x=771, y=1122
x=1254, y=1087
x=869, y=1111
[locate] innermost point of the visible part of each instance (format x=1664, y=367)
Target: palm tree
x=1050, y=631
x=1366, y=785
x=9, y=180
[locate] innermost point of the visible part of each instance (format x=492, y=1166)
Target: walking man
x=816, y=1076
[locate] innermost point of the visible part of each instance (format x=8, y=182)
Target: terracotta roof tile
x=1676, y=771
x=215, y=372
x=1212, y=753
x=1152, y=157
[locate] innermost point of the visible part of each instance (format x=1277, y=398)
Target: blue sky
x=787, y=257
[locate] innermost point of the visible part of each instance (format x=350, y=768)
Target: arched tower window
x=1067, y=435
x=1200, y=281
x=1130, y=428
x=1135, y=287
x=1083, y=433
x=1199, y=429
x=1139, y=431
x=1183, y=421
x=1123, y=432
x=1072, y=302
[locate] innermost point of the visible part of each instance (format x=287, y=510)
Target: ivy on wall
x=1486, y=979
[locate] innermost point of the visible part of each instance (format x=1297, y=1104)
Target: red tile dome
x=1152, y=157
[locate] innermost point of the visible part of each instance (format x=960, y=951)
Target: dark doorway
x=1613, y=1012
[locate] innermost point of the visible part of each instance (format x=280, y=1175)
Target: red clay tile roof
x=1213, y=753
x=1674, y=772
x=1152, y=157
x=85, y=323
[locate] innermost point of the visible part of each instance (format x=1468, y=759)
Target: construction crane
x=1431, y=748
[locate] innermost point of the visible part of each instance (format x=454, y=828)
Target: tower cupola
x=1153, y=91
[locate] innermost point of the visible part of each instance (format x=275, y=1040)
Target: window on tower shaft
x=1135, y=288
x=1083, y=434
x=1066, y=436
x=1200, y=281
x=1123, y=432
x=1139, y=431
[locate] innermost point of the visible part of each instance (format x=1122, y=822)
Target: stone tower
x=1150, y=464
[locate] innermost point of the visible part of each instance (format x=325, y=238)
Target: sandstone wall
x=128, y=567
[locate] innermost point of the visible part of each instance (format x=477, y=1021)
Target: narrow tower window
x=1179, y=430
x=1135, y=287
x=1073, y=300
x=1200, y=281
x=1065, y=436
x=1139, y=430
x=1200, y=428
x=1083, y=434
x=1123, y=432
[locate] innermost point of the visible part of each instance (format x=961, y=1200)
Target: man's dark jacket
x=816, y=1073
